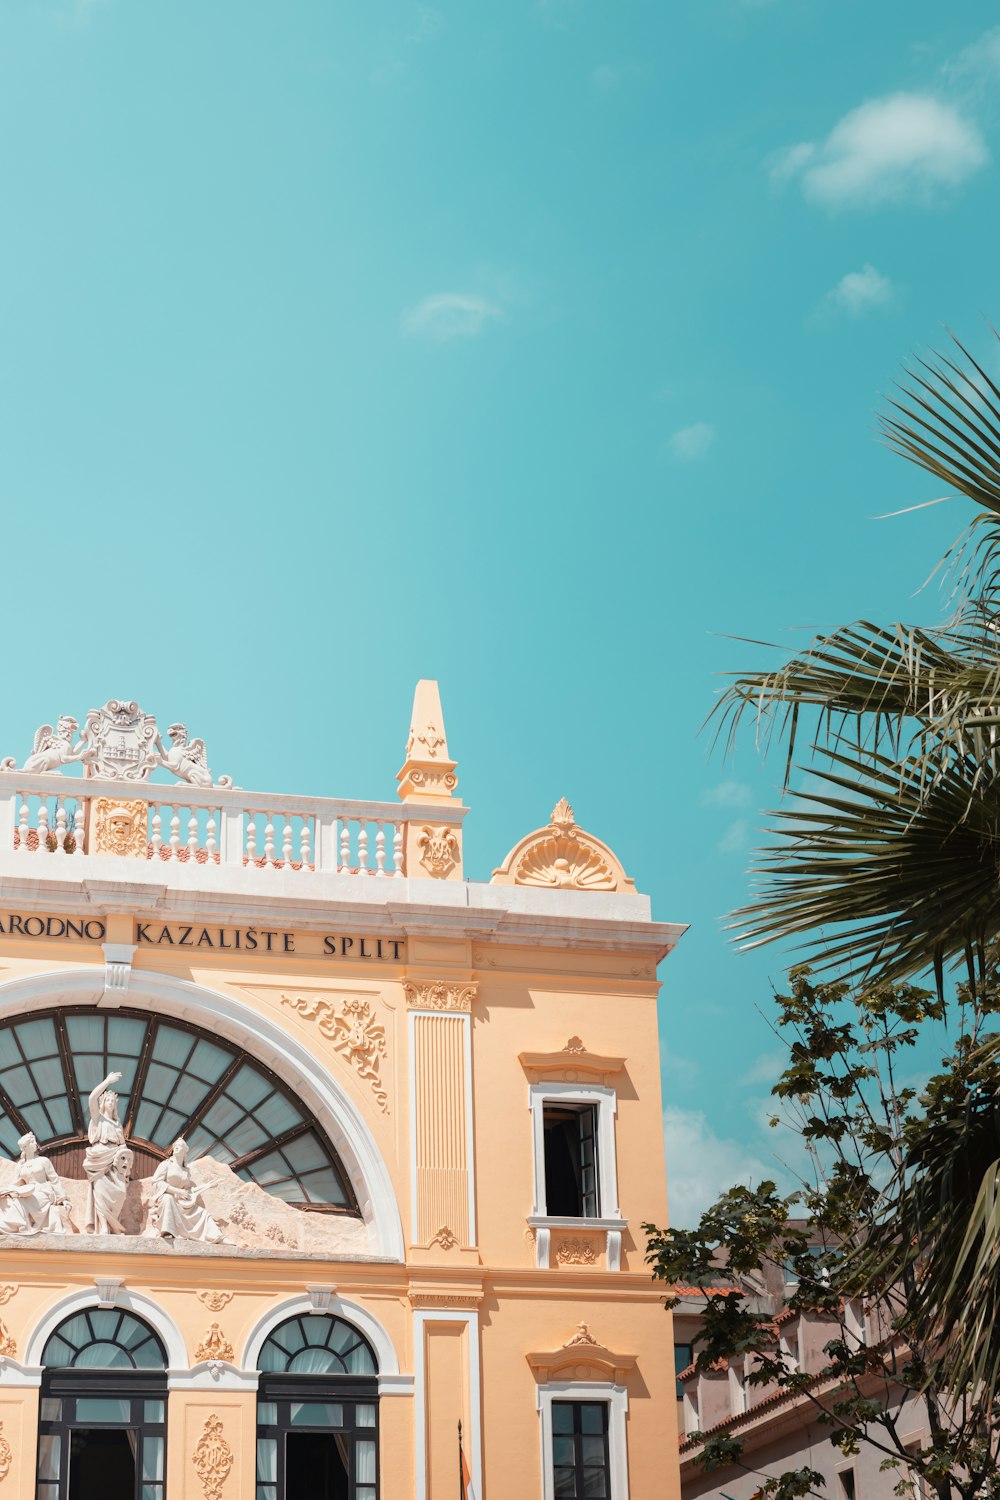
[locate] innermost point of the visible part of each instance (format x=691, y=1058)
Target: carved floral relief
x=215, y=1345
x=576, y=1252
x=6, y=1456
x=354, y=1031
x=439, y=995
x=215, y=1300
x=583, y=1335
x=212, y=1458
x=445, y=1238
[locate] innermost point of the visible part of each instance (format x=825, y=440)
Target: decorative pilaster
x=443, y=1201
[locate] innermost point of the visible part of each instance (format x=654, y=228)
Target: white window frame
x=616, y=1399
x=606, y=1102
x=692, y=1406
x=737, y=1387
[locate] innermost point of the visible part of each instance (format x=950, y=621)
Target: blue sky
x=533, y=347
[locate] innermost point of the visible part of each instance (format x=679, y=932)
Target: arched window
x=176, y=1080
x=102, y=1416
x=314, y=1345
x=317, y=1412
x=103, y=1339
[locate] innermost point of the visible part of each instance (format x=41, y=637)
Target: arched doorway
x=103, y=1412
x=317, y=1412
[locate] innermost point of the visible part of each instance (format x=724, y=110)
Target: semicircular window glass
x=317, y=1345
x=103, y=1339
x=176, y=1080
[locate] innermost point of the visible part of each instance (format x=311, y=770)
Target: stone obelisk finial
x=427, y=775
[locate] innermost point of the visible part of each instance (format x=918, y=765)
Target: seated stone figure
x=177, y=1209
x=35, y=1202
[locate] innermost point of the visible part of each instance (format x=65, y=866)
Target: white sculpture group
x=120, y=743
x=36, y=1202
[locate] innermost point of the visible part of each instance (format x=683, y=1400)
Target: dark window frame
x=64, y=1386
x=64, y=1143
x=281, y=1390
x=578, y=1467
x=570, y=1143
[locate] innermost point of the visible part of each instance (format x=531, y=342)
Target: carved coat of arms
x=120, y=742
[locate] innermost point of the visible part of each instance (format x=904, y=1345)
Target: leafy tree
x=886, y=869
x=892, y=1191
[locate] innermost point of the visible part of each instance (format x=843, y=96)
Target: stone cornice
x=324, y=902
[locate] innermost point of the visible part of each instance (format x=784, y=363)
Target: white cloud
x=450, y=315
x=904, y=147
x=977, y=64
x=701, y=1165
x=693, y=442
x=736, y=838
x=860, y=290
x=765, y=1069
x=727, y=794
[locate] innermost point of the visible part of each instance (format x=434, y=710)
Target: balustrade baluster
x=79, y=819
x=269, y=841
x=211, y=828
x=175, y=832
x=363, y=849
x=252, y=839
x=192, y=833
x=380, y=850
x=43, y=826
x=397, y=848
x=345, y=848
x=304, y=844
x=286, y=846
x=60, y=825
x=22, y=825
x=156, y=835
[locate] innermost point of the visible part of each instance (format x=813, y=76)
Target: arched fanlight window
x=317, y=1345
x=176, y=1080
x=103, y=1339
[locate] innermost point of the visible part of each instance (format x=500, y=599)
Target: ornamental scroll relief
x=563, y=857
x=439, y=995
x=212, y=1458
x=354, y=1031
x=576, y=1252
x=215, y=1301
x=215, y=1346
x=6, y=1456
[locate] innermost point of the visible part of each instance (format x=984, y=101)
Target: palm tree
x=888, y=862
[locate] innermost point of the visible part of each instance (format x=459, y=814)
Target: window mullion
x=142, y=1068
x=212, y=1096
x=66, y=1058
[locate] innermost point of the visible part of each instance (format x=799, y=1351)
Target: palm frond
x=879, y=873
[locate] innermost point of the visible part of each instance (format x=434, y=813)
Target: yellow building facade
x=314, y=1149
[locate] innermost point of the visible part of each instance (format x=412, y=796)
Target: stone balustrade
x=43, y=815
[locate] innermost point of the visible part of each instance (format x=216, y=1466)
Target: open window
x=571, y=1188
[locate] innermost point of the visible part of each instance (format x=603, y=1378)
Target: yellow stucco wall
x=530, y=998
